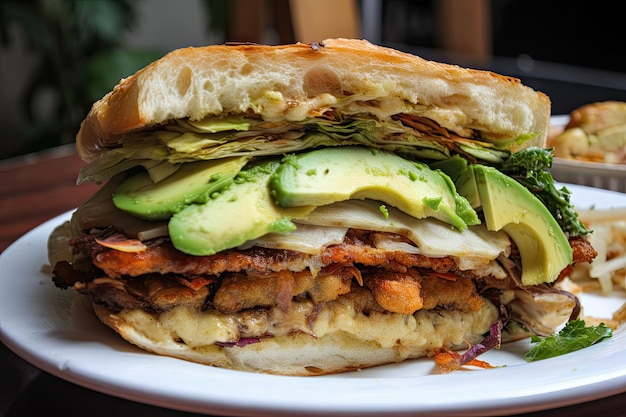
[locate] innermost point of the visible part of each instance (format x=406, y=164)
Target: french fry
x=607, y=272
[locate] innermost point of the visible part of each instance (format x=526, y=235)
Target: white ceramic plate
x=593, y=174
x=56, y=331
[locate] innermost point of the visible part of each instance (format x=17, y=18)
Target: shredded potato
x=607, y=272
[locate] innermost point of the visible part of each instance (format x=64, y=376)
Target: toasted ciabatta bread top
x=298, y=81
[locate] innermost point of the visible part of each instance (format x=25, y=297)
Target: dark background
x=571, y=50
x=581, y=33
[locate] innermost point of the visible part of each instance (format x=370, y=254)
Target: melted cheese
x=424, y=328
x=305, y=239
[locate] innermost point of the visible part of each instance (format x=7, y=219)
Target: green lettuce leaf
x=574, y=336
x=531, y=167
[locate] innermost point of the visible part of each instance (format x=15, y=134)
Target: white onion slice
x=306, y=239
x=433, y=237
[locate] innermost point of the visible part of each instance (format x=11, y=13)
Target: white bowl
x=593, y=174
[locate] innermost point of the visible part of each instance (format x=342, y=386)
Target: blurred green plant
x=80, y=57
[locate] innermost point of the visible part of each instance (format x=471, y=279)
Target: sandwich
x=310, y=209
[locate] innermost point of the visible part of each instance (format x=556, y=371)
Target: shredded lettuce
x=490, y=156
x=142, y=151
x=221, y=137
x=189, y=143
x=574, y=336
x=217, y=124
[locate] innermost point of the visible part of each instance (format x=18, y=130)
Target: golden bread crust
x=298, y=81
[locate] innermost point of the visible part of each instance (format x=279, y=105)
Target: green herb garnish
x=531, y=168
x=383, y=209
x=574, y=336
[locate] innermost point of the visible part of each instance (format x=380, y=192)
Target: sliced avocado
x=241, y=212
x=466, y=185
x=330, y=175
x=507, y=205
x=194, y=182
x=456, y=167
x=453, y=166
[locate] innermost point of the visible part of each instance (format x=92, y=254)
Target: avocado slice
x=507, y=205
x=243, y=211
x=193, y=182
x=329, y=175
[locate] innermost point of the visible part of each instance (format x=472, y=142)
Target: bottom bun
x=341, y=338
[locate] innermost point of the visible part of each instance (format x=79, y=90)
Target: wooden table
x=38, y=187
